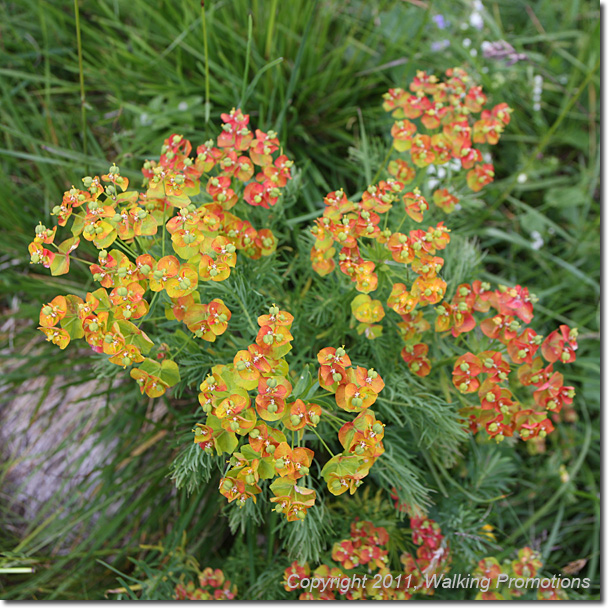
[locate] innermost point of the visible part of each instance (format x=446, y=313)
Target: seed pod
x=295, y=420
x=335, y=485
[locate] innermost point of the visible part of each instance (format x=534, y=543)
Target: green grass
x=315, y=71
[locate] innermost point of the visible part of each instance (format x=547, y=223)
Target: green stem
x=81, y=260
x=401, y=223
x=551, y=503
x=251, y=534
x=119, y=244
x=464, y=491
x=72, y=257
x=150, y=308
x=435, y=474
x=383, y=164
x=333, y=417
x=292, y=83
x=271, y=536
x=270, y=27
x=553, y=535
x=247, y=68
x=81, y=75
x=207, y=63
x=322, y=441
x=188, y=339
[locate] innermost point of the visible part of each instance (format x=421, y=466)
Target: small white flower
x=521, y=178
x=537, y=241
x=476, y=20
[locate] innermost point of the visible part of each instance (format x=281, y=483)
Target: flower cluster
x=364, y=571
x=487, y=372
x=452, y=121
x=356, y=390
x=212, y=585
x=367, y=236
x=280, y=410
x=364, y=547
x=367, y=312
x=509, y=579
x=360, y=569
x=204, y=236
x=349, y=225
x=431, y=558
x=97, y=319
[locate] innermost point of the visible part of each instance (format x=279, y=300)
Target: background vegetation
x=315, y=71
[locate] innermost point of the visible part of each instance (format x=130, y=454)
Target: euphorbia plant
x=405, y=270
x=160, y=246
x=275, y=426
x=359, y=567
x=159, y=249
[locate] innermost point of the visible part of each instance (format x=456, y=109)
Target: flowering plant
x=379, y=258
x=159, y=248
x=139, y=276
x=360, y=568
x=280, y=411
x=211, y=585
